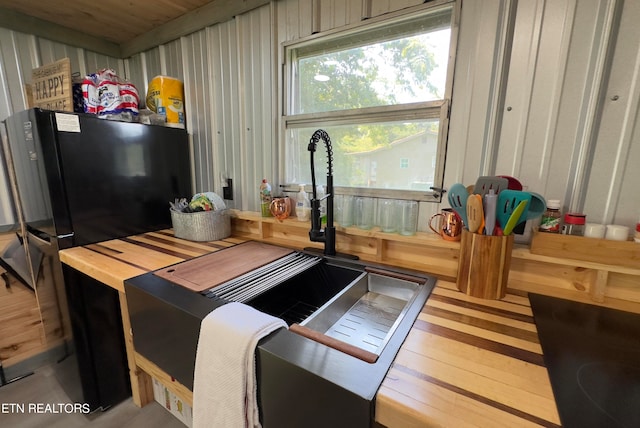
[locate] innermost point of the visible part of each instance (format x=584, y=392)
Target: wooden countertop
x=469, y=362
x=466, y=362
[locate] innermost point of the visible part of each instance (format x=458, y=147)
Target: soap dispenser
x=303, y=205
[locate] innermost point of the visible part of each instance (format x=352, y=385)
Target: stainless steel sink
x=299, y=376
x=333, y=302
x=339, y=353
x=366, y=313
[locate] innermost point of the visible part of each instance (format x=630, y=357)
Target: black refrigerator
x=78, y=180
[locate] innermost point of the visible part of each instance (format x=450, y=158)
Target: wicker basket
x=202, y=225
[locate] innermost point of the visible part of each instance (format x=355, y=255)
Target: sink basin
x=299, y=297
x=354, y=309
x=340, y=352
x=366, y=313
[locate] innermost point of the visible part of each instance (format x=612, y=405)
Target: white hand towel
x=224, y=384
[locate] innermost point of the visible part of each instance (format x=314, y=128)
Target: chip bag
x=106, y=94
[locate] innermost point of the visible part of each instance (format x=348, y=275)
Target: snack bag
x=90, y=94
x=107, y=95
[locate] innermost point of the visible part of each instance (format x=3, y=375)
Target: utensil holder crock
x=483, y=268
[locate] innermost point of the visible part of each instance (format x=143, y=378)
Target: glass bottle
x=550, y=222
x=265, y=198
x=574, y=224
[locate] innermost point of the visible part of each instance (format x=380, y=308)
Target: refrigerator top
x=89, y=179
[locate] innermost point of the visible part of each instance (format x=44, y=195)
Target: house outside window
x=381, y=91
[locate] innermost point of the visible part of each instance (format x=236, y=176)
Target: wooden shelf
x=430, y=239
x=525, y=253
x=581, y=280
x=602, y=251
x=425, y=252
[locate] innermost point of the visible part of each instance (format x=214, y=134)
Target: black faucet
x=317, y=234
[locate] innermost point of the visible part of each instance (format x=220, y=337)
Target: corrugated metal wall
x=533, y=94
x=533, y=98
x=610, y=184
x=230, y=101
x=20, y=53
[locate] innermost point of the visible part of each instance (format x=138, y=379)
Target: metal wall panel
x=199, y=105
x=82, y=61
x=551, y=92
x=259, y=146
x=538, y=104
x=555, y=91
x=227, y=70
x=171, y=55
x=380, y=7
x=338, y=13
x=294, y=19
x=611, y=193
x=483, y=48
x=11, y=66
x=164, y=60
x=135, y=73
x=226, y=106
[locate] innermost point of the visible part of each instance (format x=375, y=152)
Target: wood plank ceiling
x=114, y=20
x=118, y=28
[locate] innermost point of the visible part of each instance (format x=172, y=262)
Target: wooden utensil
x=475, y=213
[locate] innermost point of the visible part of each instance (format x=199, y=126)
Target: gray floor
x=42, y=388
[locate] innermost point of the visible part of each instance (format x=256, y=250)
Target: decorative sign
x=51, y=86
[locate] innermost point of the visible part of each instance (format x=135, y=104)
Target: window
x=381, y=92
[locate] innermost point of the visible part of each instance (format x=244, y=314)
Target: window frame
x=438, y=109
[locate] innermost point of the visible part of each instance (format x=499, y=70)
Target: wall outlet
x=227, y=191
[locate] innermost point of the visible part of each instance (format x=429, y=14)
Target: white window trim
x=424, y=110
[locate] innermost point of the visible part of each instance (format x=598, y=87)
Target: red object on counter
x=574, y=224
x=575, y=218
x=514, y=183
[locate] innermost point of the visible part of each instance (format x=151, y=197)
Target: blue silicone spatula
x=508, y=200
x=458, y=196
x=514, y=219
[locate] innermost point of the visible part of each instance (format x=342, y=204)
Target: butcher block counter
x=466, y=361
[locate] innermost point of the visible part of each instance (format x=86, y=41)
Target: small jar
x=574, y=224
x=550, y=221
x=636, y=237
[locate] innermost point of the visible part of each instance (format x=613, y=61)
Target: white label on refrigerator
x=68, y=122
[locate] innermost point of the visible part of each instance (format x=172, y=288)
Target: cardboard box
x=172, y=403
